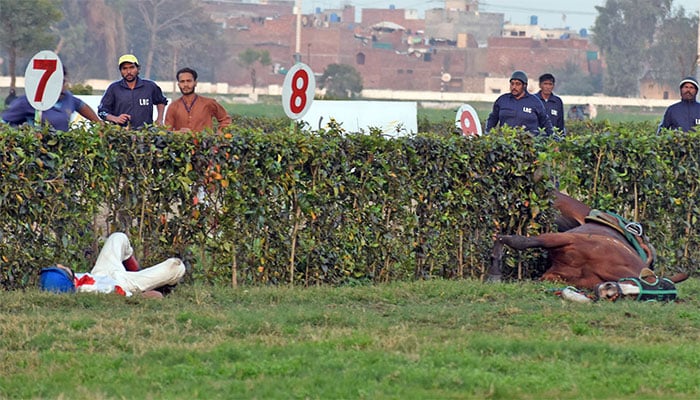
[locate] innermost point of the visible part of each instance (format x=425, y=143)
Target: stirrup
x=634, y=228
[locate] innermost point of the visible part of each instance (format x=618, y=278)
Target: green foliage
x=266, y=203
x=81, y=88
x=341, y=81
x=249, y=57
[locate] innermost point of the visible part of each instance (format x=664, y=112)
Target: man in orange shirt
x=192, y=112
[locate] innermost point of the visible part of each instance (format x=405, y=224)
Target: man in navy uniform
x=129, y=102
x=520, y=109
x=684, y=115
x=552, y=102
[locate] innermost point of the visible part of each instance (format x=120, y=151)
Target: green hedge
x=262, y=205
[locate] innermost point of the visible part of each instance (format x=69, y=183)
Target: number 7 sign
x=43, y=80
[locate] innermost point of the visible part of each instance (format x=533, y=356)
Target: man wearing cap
x=519, y=109
x=129, y=102
x=552, y=102
x=684, y=115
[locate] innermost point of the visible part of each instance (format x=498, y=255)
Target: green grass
x=440, y=339
x=270, y=108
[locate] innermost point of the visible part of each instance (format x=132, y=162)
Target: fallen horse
x=590, y=249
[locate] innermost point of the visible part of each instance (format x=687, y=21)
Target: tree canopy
x=171, y=32
x=249, y=57
x=341, y=81
x=26, y=28
x=164, y=34
x=644, y=37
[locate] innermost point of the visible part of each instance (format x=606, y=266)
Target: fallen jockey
x=116, y=271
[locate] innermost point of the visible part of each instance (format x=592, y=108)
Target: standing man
x=684, y=115
x=519, y=108
x=58, y=116
x=552, y=103
x=192, y=112
x=129, y=102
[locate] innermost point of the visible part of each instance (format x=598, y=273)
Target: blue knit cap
x=519, y=75
x=689, y=79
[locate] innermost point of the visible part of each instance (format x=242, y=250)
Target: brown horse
x=584, y=253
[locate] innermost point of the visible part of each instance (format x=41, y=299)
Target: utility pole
x=297, y=49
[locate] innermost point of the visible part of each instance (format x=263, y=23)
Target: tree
x=341, y=81
x=94, y=33
x=156, y=26
x=628, y=31
x=573, y=81
x=673, y=54
x=26, y=28
x=249, y=57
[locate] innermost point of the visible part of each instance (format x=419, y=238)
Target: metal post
x=297, y=51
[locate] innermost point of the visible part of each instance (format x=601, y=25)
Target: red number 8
x=299, y=93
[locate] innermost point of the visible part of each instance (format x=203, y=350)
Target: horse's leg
x=515, y=241
x=494, y=272
x=572, y=212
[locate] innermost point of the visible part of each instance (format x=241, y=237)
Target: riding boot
x=131, y=264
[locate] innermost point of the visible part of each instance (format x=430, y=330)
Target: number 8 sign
x=298, y=91
x=43, y=80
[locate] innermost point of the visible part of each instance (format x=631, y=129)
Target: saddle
x=632, y=231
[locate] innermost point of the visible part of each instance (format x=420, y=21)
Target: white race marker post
x=298, y=91
x=467, y=121
x=43, y=81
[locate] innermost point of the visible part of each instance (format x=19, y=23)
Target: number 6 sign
x=298, y=91
x=43, y=80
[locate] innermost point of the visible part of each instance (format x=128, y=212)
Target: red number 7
x=49, y=67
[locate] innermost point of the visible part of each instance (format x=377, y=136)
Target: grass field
x=420, y=340
x=270, y=108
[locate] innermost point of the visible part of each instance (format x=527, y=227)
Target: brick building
x=453, y=49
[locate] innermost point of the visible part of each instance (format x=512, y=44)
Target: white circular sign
x=467, y=121
x=298, y=90
x=43, y=80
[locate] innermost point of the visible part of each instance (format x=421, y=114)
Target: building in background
x=453, y=49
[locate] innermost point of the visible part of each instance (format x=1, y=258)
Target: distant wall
x=399, y=95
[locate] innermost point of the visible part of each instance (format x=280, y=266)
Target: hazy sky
x=575, y=14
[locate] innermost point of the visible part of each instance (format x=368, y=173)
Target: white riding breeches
x=117, y=249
